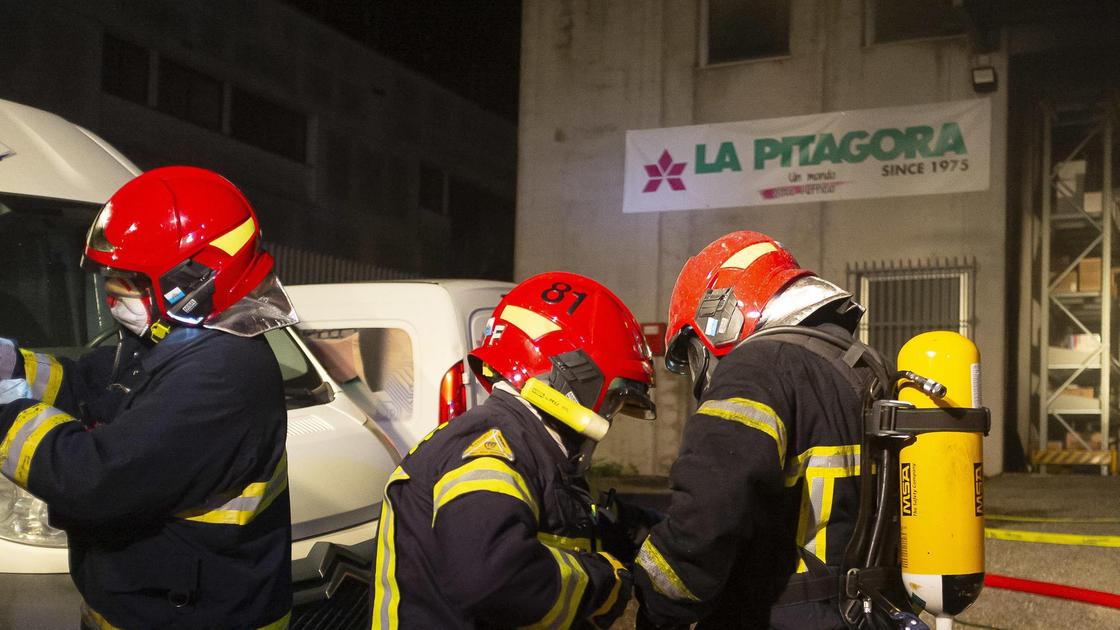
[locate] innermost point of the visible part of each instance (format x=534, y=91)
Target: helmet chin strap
x=701, y=365
x=157, y=331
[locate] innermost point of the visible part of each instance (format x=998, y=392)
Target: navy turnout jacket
x=171, y=484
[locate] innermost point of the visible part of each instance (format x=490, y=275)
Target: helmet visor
x=96, y=239
x=629, y=398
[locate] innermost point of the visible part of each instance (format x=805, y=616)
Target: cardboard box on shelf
x=1091, y=203
x=1068, y=284
x=1093, y=439
x=1083, y=342
x=1071, y=178
x=1080, y=391
x=1054, y=445
x=1089, y=275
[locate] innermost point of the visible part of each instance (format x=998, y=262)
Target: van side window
x=372, y=365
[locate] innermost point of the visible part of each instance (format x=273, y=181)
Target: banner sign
x=919, y=150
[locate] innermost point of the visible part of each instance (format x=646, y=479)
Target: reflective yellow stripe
x=483, y=474
x=826, y=515
x=386, y=599
x=44, y=375
x=94, y=619
x=280, y=624
x=563, y=542
x=750, y=413
x=427, y=437
x=746, y=256
x=821, y=466
x=242, y=509
x=17, y=449
x=824, y=461
x=30, y=366
x=534, y=325
x=1019, y=535
x=612, y=597
x=665, y=580
x=573, y=582
x=232, y=241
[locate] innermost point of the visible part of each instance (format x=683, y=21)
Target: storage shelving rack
x=1078, y=383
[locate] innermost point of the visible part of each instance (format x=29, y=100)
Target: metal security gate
x=904, y=299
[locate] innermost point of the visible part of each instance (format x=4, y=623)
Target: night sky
x=471, y=47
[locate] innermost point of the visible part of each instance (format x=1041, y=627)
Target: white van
x=396, y=348
x=54, y=176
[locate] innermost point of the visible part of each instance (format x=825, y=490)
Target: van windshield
x=48, y=303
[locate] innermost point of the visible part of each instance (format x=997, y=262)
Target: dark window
x=747, y=29
x=896, y=20
x=265, y=124
x=124, y=69
x=903, y=300
x=433, y=184
x=190, y=95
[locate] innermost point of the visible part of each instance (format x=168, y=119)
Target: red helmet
x=721, y=293
x=189, y=234
x=574, y=334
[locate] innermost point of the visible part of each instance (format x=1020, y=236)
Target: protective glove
x=12, y=389
x=623, y=527
x=615, y=603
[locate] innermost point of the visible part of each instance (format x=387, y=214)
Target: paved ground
x=1052, y=497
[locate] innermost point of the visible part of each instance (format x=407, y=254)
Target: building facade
x=352, y=161
x=591, y=71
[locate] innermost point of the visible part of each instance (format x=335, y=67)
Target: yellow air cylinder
x=941, y=482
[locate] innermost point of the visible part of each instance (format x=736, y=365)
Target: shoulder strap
x=844, y=353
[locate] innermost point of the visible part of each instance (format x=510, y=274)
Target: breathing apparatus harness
x=869, y=588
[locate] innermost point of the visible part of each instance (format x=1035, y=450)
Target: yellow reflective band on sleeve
x=427, y=437
x=484, y=474
x=821, y=466
x=242, y=509
x=93, y=619
x=665, y=580
x=386, y=598
x=44, y=375
x=17, y=449
x=573, y=582
x=752, y=414
x=232, y=241
x=612, y=597
x=575, y=545
x=824, y=461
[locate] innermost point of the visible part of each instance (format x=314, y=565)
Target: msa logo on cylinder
x=978, y=484
x=907, y=484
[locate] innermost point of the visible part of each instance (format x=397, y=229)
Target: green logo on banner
x=856, y=146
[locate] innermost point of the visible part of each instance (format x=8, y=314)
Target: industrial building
x=1020, y=259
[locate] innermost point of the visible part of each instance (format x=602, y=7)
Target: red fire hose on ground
x=1100, y=598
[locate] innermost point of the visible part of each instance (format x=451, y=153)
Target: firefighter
x=488, y=521
x=163, y=460
x=765, y=488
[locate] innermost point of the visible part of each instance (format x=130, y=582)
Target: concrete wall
x=591, y=70
x=371, y=121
